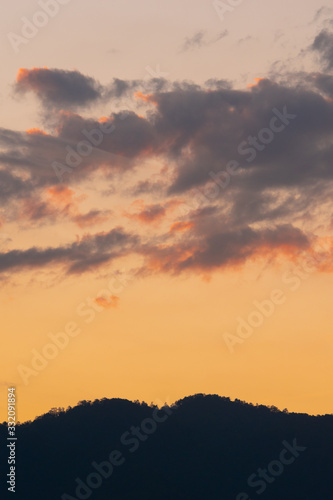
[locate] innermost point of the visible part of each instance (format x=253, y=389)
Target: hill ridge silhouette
x=202, y=446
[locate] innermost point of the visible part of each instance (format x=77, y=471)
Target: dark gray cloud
x=322, y=82
x=59, y=88
x=197, y=130
x=218, y=127
x=279, y=135
x=119, y=89
x=232, y=247
x=323, y=44
x=78, y=257
x=215, y=83
x=129, y=137
x=27, y=159
x=214, y=124
x=210, y=251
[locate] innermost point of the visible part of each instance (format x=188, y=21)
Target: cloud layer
x=238, y=173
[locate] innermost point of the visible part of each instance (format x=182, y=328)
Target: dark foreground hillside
x=205, y=447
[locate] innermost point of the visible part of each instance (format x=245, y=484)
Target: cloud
x=151, y=213
x=181, y=226
x=247, y=39
x=92, y=218
x=86, y=254
x=110, y=302
x=57, y=204
x=36, y=131
x=209, y=129
x=174, y=157
x=199, y=39
x=323, y=82
x=59, y=88
x=147, y=186
x=323, y=44
x=68, y=90
x=197, y=130
x=194, y=42
x=130, y=137
x=26, y=159
x=324, y=12
x=214, y=83
x=119, y=88
x=219, y=250
x=148, y=214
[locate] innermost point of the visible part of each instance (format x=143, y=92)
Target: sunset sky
x=166, y=222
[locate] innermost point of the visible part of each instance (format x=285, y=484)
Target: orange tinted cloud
x=145, y=97
x=108, y=303
x=148, y=214
x=104, y=119
x=168, y=259
x=63, y=196
x=321, y=254
x=181, y=226
x=226, y=250
x=61, y=203
x=23, y=73
x=35, y=210
x=257, y=80
x=92, y=218
x=35, y=131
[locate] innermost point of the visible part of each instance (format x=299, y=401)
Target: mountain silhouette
x=203, y=447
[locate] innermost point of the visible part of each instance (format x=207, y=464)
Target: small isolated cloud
x=110, y=302
x=194, y=42
x=199, y=39
x=246, y=39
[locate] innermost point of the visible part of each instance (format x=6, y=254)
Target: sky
x=165, y=182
